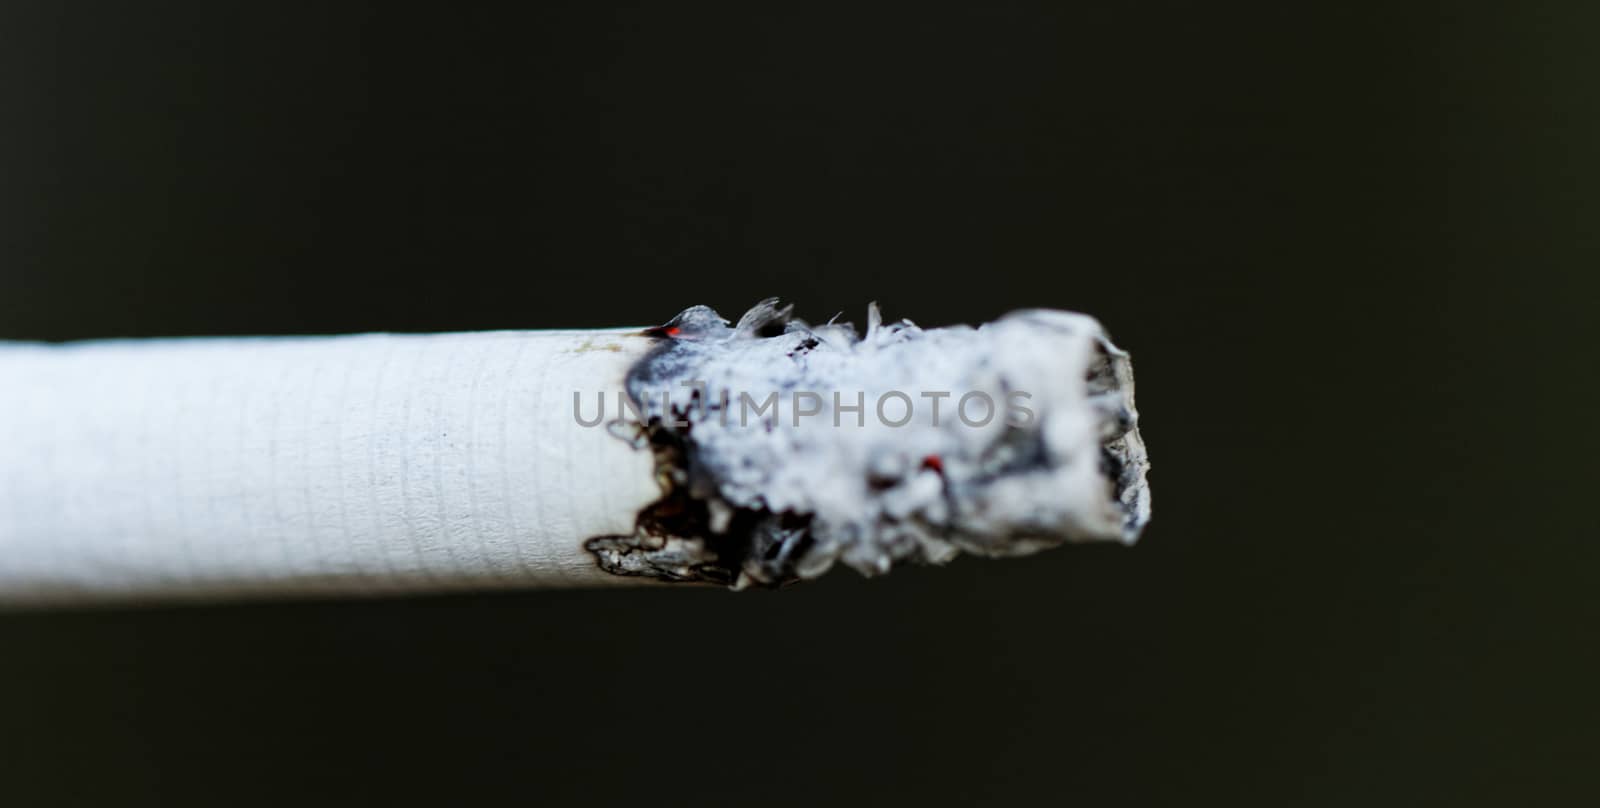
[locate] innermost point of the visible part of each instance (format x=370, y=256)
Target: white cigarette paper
x=302, y=465
x=371, y=464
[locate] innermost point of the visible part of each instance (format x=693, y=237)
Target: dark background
x=1351, y=247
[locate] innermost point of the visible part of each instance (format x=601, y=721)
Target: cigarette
x=756, y=453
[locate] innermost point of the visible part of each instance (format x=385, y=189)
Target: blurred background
x=1351, y=247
